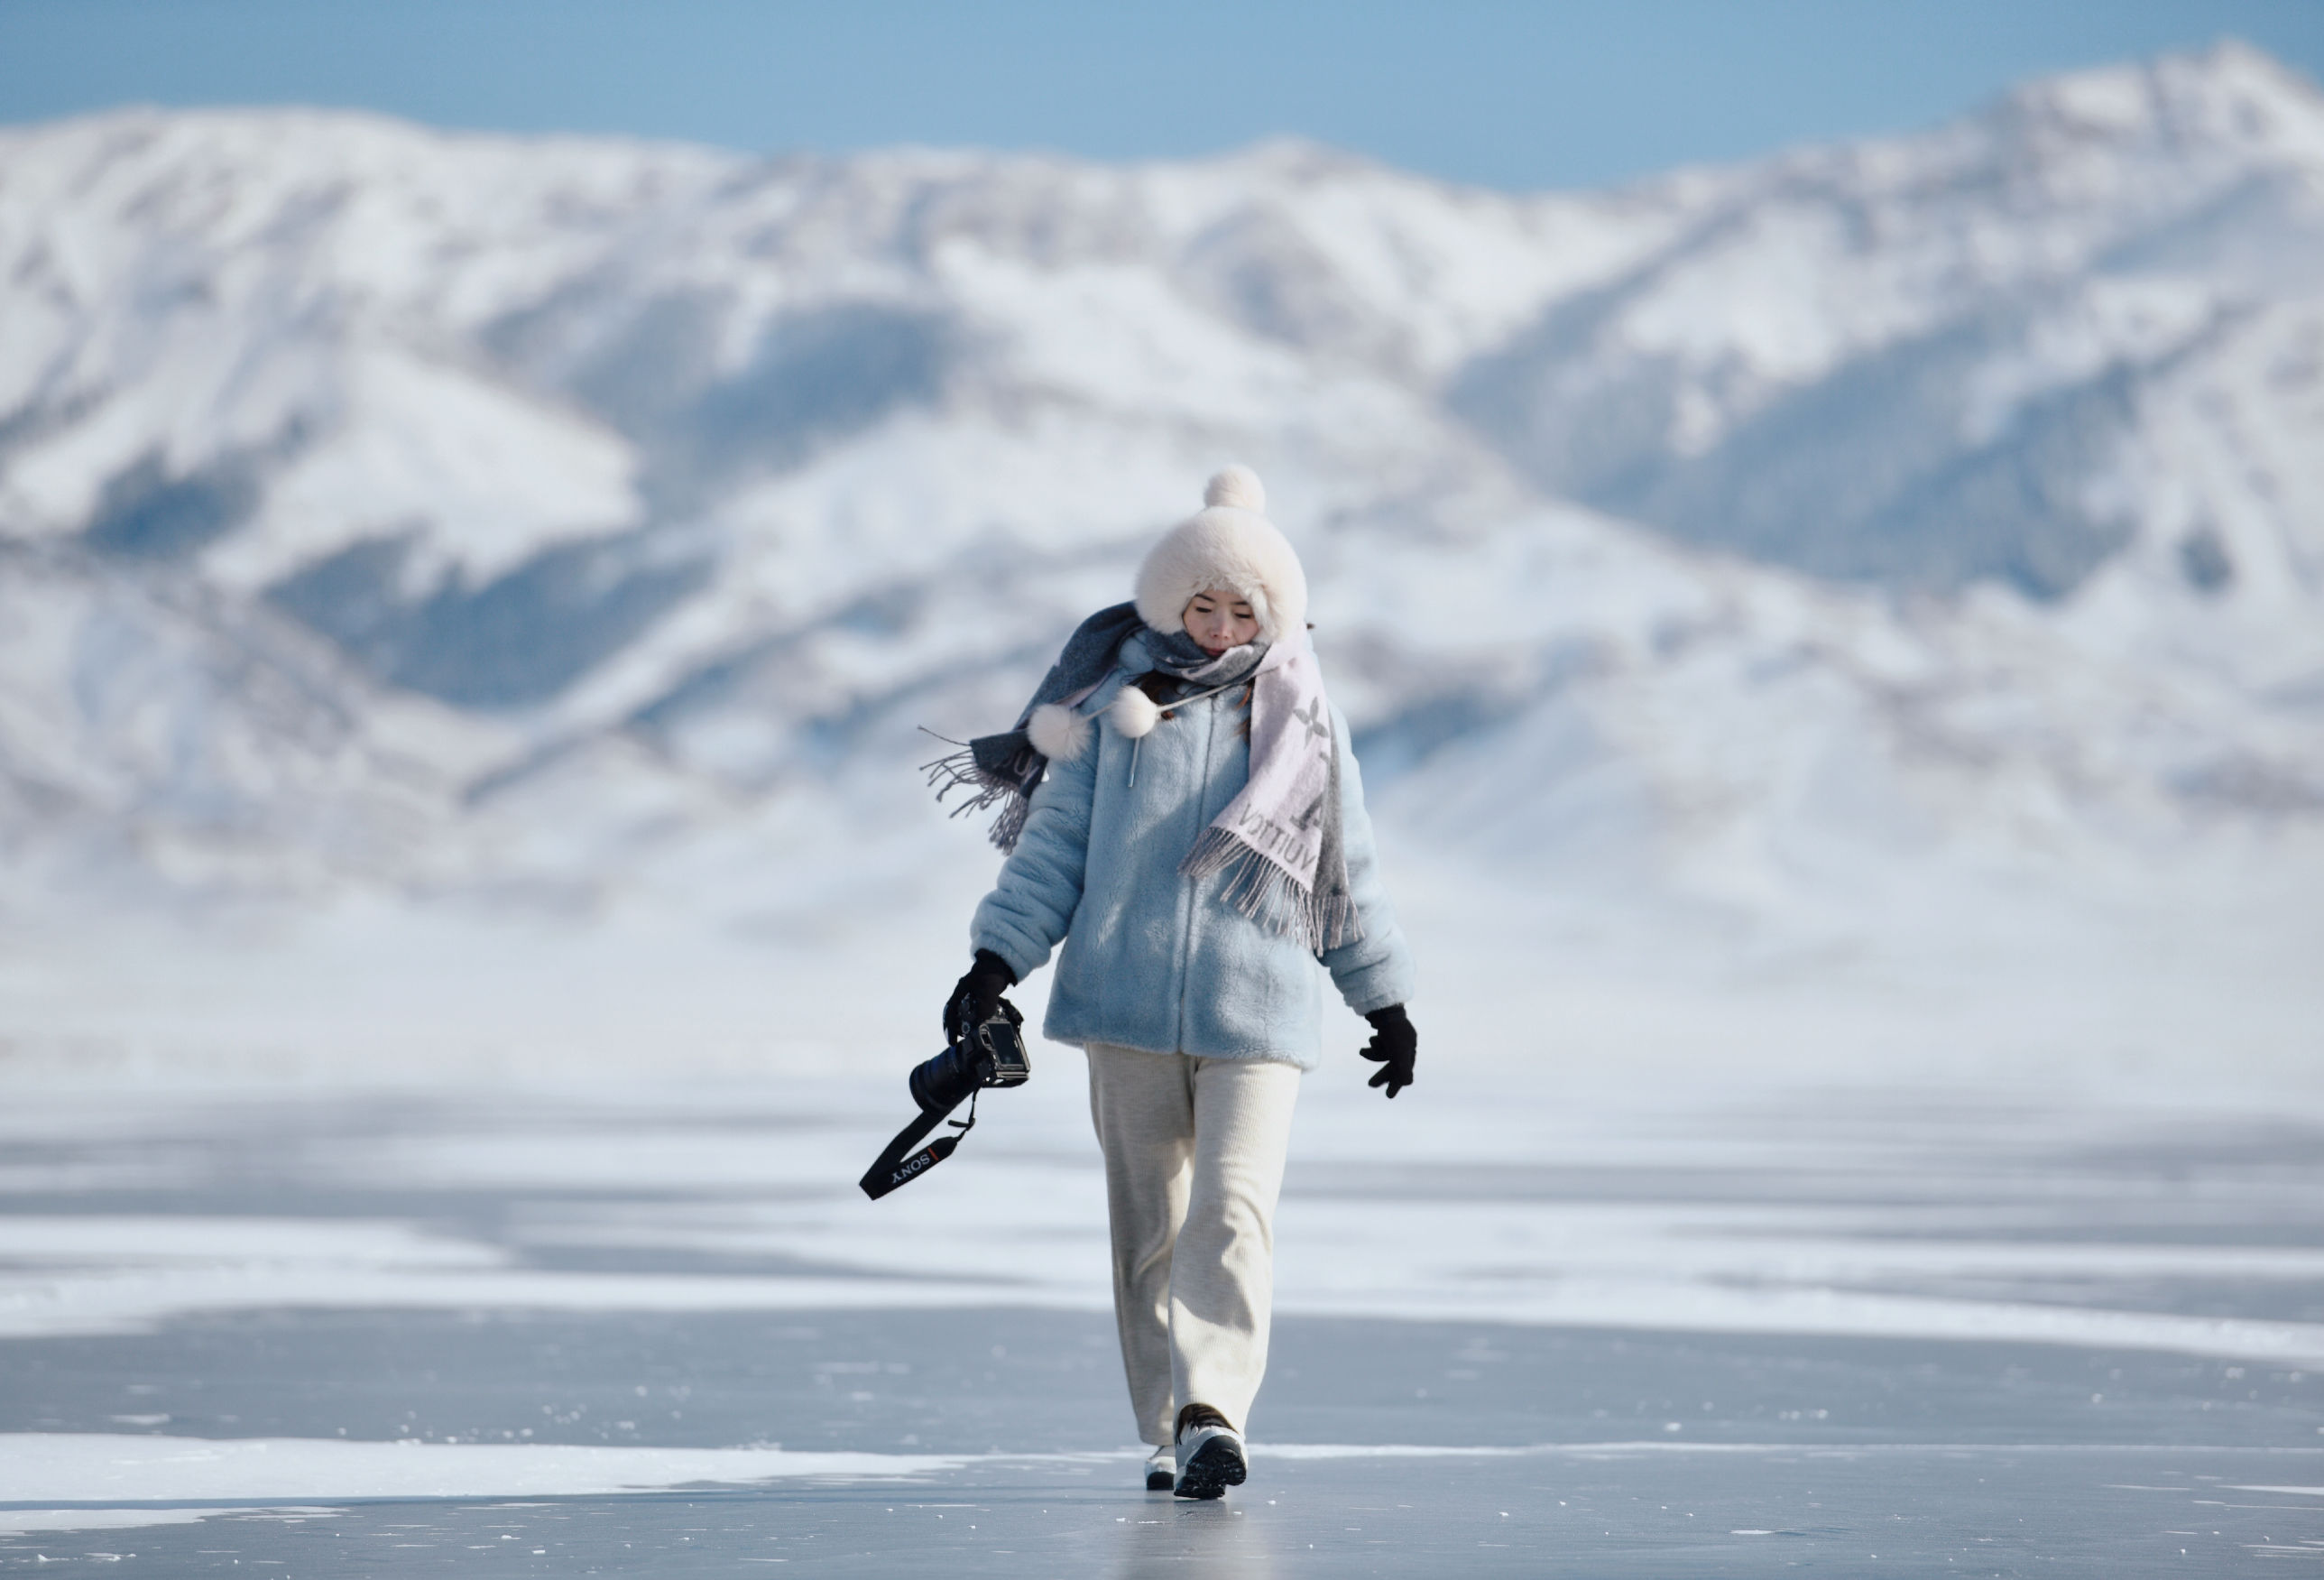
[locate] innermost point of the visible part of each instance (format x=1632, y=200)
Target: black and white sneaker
x=1210, y=1454
x=1161, y=1470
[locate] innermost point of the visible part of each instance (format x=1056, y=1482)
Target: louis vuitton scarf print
x=1278, y=843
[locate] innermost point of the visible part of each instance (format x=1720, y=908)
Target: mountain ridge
x=640, y=496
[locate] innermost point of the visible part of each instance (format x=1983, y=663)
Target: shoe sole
x=1217, y=1465
x=1159, y=1480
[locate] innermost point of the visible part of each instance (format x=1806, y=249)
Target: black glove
x=1393, y=1045
x=977, y=996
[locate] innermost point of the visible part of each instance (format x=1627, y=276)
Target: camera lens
x=945, y=1080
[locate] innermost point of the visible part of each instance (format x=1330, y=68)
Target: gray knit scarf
x=1277, y=843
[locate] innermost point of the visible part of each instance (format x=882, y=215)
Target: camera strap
x=906, y=1159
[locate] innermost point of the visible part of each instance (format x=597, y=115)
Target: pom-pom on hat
x=1229, y=545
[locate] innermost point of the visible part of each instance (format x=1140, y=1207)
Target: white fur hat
x=1230, y=545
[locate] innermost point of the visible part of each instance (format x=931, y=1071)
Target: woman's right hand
x=1394, y=1047
x=976, y=997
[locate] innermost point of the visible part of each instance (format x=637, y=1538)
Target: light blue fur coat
x=1154, y=960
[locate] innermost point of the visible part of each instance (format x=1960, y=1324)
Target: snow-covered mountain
x=566, y=519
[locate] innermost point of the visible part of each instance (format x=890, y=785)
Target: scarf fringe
x=959, y=770
x=1256, y=887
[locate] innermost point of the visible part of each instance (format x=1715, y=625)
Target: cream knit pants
x=1193, y=1162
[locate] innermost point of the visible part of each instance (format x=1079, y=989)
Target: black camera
x=992, y=1054
x=988, y=1054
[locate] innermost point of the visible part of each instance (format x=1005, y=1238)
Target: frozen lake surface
x=1668, y=1328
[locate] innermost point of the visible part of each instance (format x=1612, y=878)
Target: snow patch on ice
x=59, y=1467
x=17, y=1521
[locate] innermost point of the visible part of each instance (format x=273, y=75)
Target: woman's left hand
x=1394, y=1046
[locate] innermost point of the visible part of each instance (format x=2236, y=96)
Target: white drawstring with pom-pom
x=1152, y=713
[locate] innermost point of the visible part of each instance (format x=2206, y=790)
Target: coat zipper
x=1186, y=894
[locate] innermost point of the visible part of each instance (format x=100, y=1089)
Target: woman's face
x=1219, y=620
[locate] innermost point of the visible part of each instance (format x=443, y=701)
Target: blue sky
x=1508, y=95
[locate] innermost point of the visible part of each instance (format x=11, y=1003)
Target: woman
x=1198, y=854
